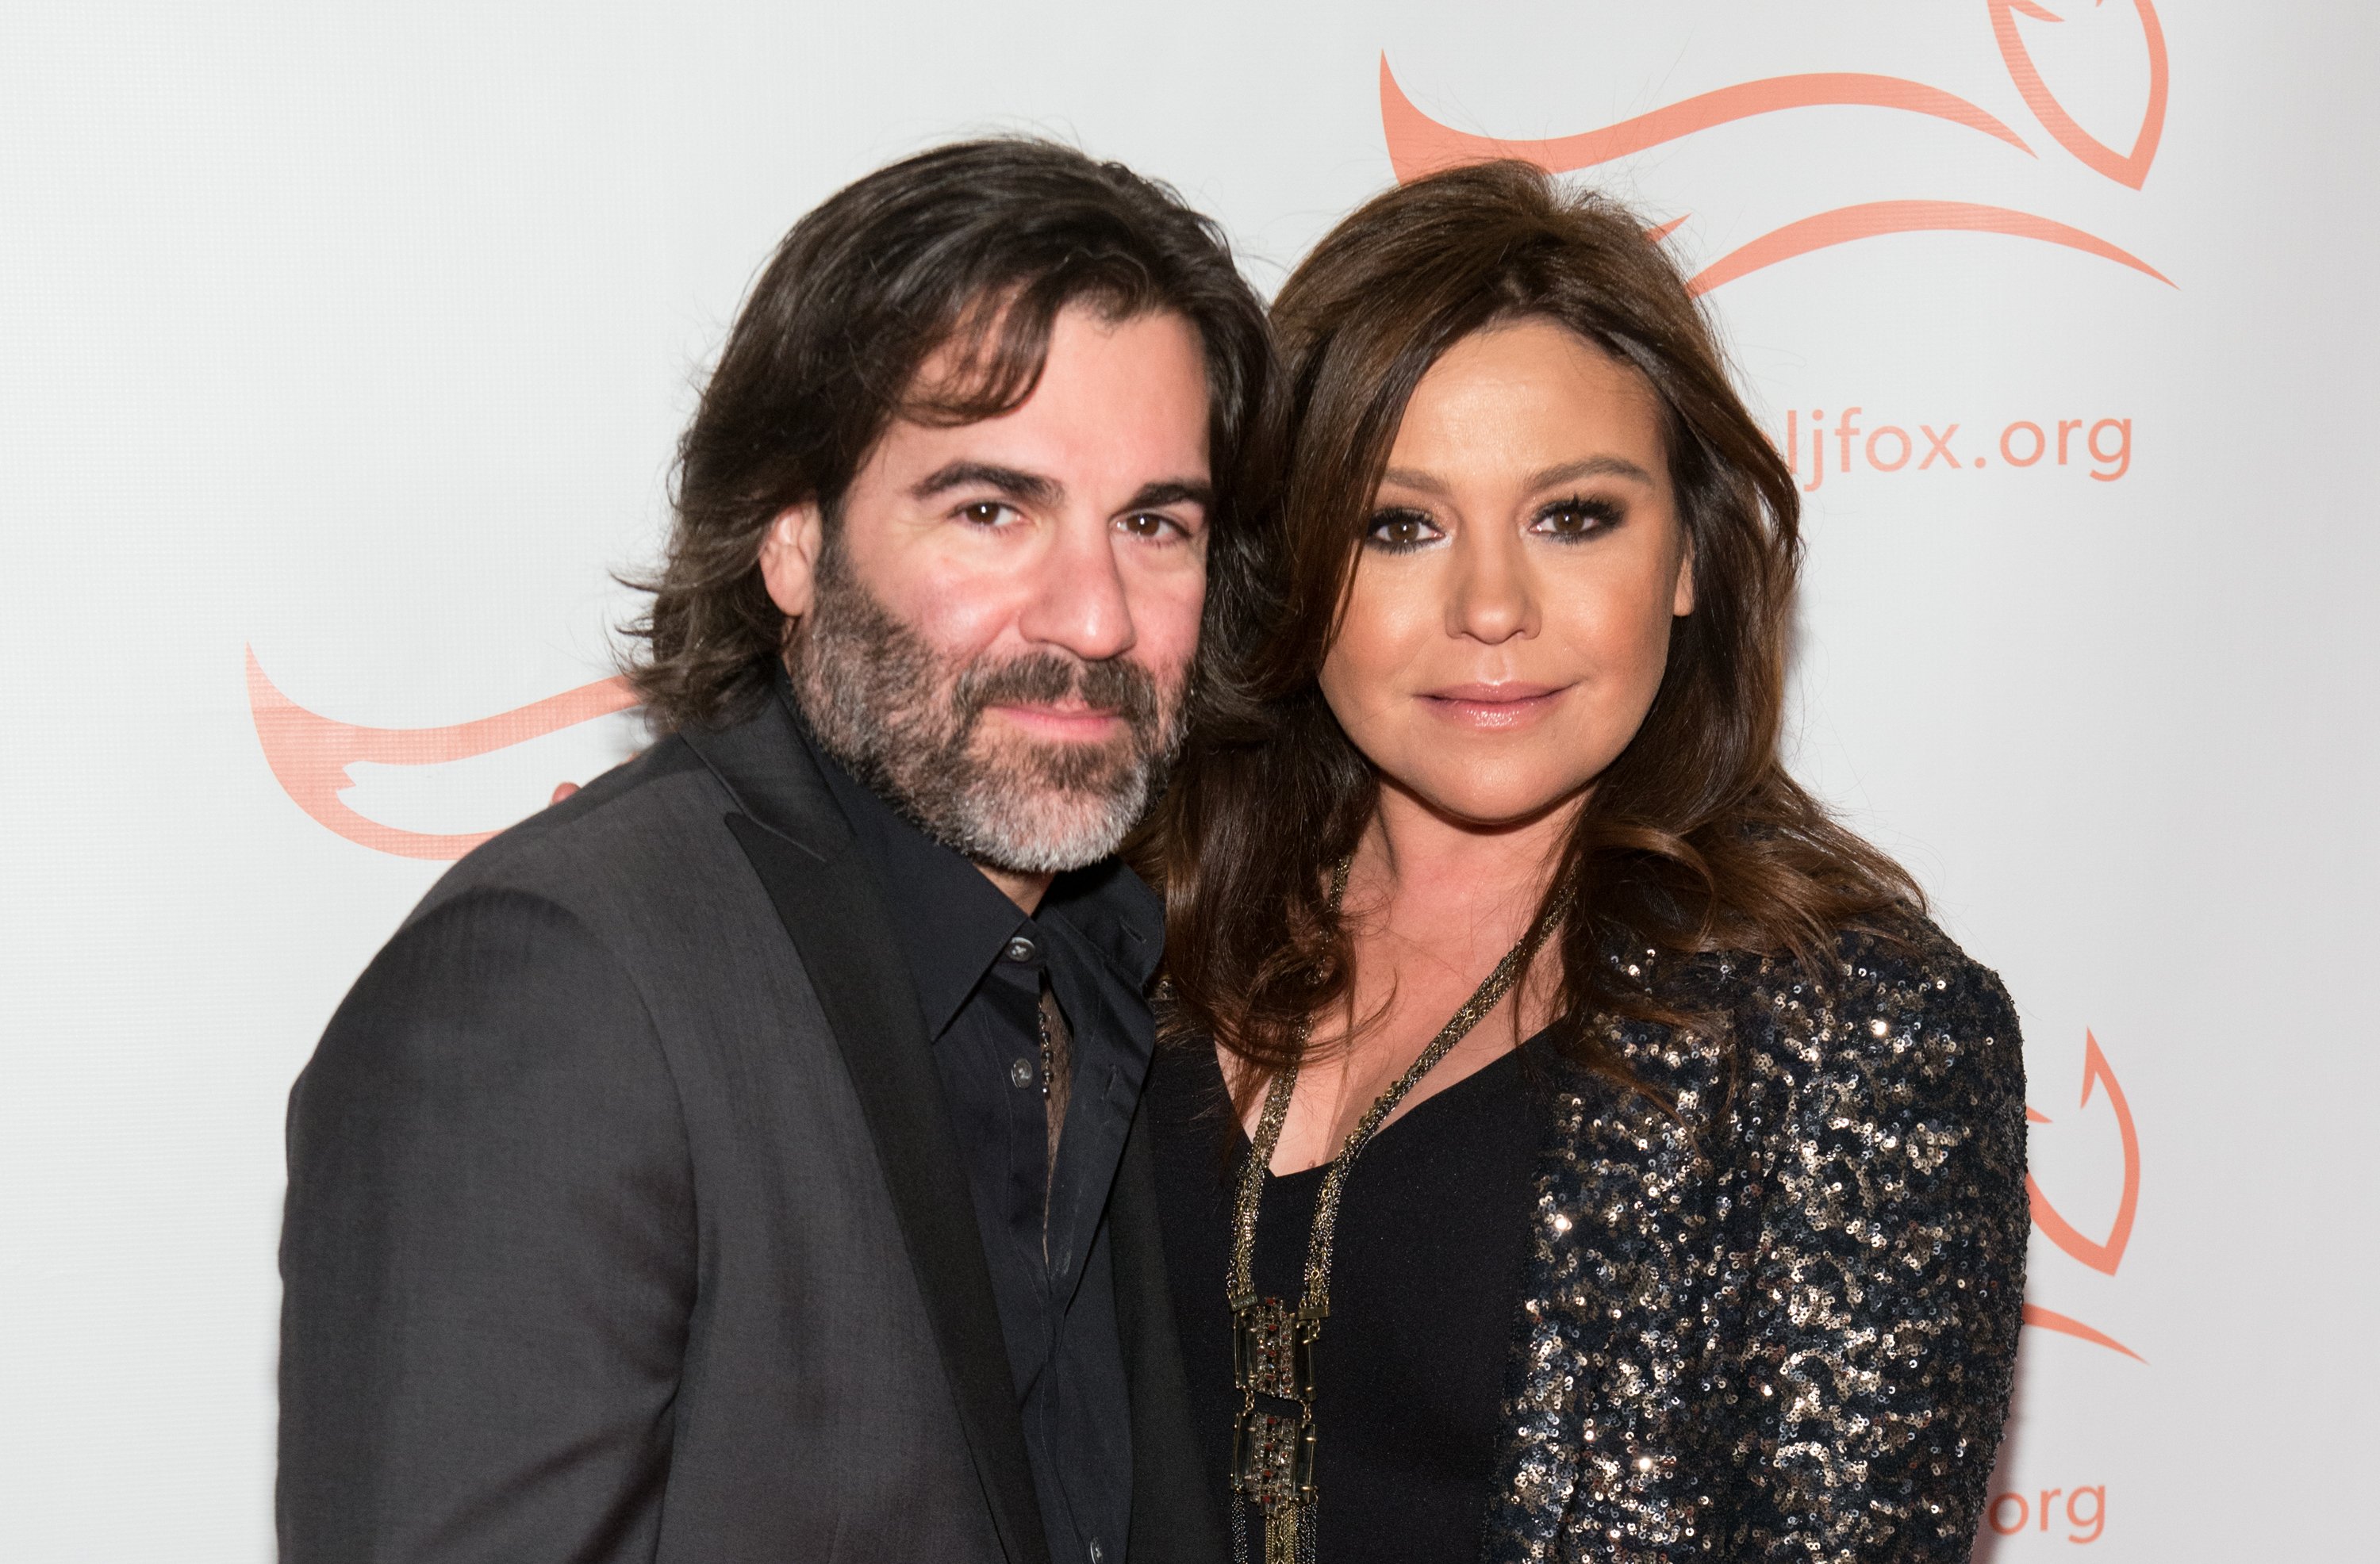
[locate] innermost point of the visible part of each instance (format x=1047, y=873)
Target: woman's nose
x=1493, y=598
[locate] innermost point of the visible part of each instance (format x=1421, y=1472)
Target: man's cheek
x=959, y=622
x=1169, y=627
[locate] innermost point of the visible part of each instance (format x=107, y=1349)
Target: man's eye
x=1399, y=531
x=984, y=513
x=1154, y=527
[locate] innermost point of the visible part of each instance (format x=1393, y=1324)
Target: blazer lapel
x=1176, y=1517
x=797, y=842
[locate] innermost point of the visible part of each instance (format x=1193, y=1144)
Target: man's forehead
x=987, y=361
x=1117, y=412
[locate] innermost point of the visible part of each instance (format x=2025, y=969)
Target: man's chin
x=1038, y=842
x=1027, y=821
x=1088, y=771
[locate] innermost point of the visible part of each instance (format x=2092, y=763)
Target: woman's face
x=1509, y=619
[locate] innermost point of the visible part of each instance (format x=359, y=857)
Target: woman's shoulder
x=1881, y=978
x=1907, y=1034
x=1908, y=983
x=1894, y=1008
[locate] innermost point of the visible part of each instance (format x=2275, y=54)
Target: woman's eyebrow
x=1591, y=466
x=1414, y=478
x=1565, y=472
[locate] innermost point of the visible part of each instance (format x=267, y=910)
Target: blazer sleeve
x=487, y=1256
x=1888, y=1284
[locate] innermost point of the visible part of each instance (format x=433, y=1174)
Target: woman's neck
x=1469, y=883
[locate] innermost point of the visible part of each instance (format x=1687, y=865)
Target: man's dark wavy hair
x=977, y=245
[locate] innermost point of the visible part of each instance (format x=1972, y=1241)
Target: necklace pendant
x=1272, y=1350
x=1272, y=1452
x=1272, y=1460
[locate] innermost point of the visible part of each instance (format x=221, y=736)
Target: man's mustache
x=1115, y=686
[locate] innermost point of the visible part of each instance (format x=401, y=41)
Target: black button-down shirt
x=979, y=963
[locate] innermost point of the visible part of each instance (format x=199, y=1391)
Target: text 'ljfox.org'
x=1816, y=450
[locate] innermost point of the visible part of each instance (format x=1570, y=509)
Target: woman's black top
x=1426, y=1279
x=1748, y=1293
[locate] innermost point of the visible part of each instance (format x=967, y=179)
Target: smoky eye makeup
x=1579, y=517
x=1396, y=530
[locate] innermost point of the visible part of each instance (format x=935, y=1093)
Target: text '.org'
x=2100, y=448
x=2081, y=1518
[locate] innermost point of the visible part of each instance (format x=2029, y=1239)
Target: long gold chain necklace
x=1272, y=1344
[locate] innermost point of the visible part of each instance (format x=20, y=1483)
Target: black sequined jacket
x=1781, y=1324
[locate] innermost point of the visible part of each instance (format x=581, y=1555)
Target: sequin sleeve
x=1883, y=1295
x=1776, y=1320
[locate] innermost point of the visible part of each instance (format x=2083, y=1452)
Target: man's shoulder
x=658, y=816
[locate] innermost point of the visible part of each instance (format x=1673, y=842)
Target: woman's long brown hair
x=1695, y=839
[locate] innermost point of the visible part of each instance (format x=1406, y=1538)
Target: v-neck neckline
x=1507, y=1060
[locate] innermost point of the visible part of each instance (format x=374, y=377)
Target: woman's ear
x=1681, y=598
x=789, y=558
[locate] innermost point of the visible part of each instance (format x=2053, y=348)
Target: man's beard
x=910, y=724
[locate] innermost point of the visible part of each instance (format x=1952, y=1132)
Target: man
x=736, y=1161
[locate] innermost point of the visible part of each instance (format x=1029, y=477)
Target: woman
x=1698, y=1229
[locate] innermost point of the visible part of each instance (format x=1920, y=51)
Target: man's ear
x=789, y=555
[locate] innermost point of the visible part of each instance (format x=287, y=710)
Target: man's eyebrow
x=1029, y=487
x=1173, y=492
x=1593, y=466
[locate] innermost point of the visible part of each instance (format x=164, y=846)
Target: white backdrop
x=359, y=341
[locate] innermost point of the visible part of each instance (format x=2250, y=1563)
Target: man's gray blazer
x=625, y=1220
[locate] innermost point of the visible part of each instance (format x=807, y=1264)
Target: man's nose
x=1077, y=600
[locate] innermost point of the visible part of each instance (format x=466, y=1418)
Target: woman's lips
x=1493, y=708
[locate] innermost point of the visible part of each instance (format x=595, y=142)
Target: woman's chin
x=1492, y=803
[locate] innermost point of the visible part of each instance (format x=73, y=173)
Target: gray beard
x=908, y=725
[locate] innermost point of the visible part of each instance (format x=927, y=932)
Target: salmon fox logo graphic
x=1418, y=145
x=2101, y=1255
x=310, y=755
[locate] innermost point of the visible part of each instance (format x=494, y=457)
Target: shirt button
x=1021, y=949
x=1020, y=1073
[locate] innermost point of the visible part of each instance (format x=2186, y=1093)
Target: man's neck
x=1024, y=890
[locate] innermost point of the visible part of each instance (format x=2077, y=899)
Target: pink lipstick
x=1494, y=707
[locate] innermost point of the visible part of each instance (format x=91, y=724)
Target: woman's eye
x=1397, y=532
x=1569, y=520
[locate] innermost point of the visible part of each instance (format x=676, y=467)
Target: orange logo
x=2101, y=1255
x=1419, y=145
x=310, y=755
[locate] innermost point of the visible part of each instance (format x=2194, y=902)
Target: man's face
x=998, y=635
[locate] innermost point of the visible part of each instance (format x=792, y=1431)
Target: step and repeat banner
x=342, y=352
